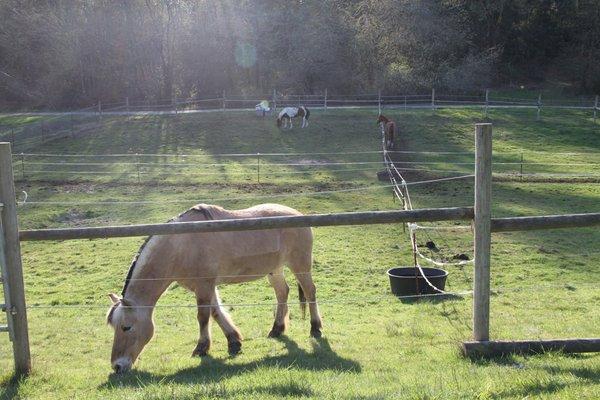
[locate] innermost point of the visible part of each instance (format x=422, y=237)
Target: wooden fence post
x=127, y=103
x=258, y=167
x=379, y=101
x=174, y=101
x=487, y=101
x=23, y=166
x=224, y=105
x=325, y=99
x=482, y=231
x=539, y=107
x=137, y=166
x=274, y=100
x=521, y=171
x=433, y=99
x=12, y=267
x=595, y=107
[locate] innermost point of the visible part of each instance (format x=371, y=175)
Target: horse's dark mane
x=134, y=261
x=135, y=258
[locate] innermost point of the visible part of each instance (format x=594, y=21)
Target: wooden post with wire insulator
x=12, y=269
x=482, y=231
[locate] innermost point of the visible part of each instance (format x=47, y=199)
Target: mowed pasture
x=544, y=283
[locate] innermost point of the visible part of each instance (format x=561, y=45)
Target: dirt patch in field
x=76, y=217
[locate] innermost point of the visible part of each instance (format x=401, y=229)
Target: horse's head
x=381, y=119
x=133, y=330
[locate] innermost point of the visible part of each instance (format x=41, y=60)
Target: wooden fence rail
x=545, y=222
x=355, y=218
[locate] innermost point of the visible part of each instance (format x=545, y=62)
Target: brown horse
x=389, y=130
x=201, y=261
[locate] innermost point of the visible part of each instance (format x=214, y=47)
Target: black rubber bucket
x=404, y=283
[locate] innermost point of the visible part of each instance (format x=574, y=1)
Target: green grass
x=374, y=345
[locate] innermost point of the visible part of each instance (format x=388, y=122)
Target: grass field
x=374, y=346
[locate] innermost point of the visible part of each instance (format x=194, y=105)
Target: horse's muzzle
x=121, y=367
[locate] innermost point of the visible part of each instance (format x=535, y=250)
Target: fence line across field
x=353, y=300
x=326, y=100
x=217, y=155
x=297, y=164
x=149, y=171
x=251, y=173
x=252, y=197
x=259, y=304
x=255, y=154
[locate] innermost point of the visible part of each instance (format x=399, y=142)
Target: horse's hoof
x=276, y=331
x=315, y=329
x=201, y=350
x=234, y=348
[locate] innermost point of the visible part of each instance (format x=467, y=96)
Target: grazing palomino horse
x=389, y=130
x=201, y=261
x=285, y=116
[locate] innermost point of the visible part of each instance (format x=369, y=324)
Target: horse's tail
x=307, y=113
x=302, y=299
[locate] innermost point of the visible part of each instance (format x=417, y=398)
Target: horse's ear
x=113, y=297
x=125, y=302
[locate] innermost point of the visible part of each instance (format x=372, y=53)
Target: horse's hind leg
x=282, y=290
x=301, y=269
x=232, y=333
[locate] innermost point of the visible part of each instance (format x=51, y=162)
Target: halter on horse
x=286, y=115
x=389, y=130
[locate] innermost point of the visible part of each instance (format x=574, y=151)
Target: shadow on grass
x=507, y=360
x=212, y=370
x=591, y=375
x=437, y=299
x=9, y=387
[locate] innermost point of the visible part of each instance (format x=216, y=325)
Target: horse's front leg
x=282, y=291
x=203, y=301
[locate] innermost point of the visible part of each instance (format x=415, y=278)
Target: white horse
x=286, y=115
